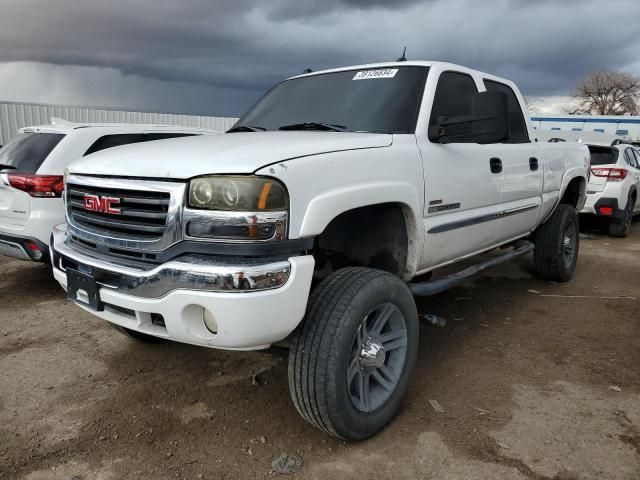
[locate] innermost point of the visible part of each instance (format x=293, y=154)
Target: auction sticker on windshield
x=379, y=73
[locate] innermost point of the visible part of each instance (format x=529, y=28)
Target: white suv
x=613, y=186
x=31, y=176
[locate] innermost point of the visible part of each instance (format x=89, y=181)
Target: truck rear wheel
x=557, y=243
x=351, y=360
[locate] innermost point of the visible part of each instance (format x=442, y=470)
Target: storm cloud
x=217, y=57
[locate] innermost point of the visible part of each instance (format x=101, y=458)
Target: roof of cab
x=407, y=63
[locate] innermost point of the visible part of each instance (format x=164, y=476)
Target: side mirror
x=488, y=122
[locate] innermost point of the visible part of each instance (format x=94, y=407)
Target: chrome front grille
x=140, y=213
x=145, y=214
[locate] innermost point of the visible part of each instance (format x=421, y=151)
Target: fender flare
x=569, y=175
x=322, y=209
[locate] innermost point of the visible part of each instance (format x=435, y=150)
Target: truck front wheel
x=351, y=360
x=557, y=242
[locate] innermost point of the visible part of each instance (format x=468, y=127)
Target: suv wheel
x=350, y=361
x=622, y=227
x=556, y=245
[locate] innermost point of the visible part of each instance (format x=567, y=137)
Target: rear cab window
x=603, y=155
x=28, y=151
x=517, y=125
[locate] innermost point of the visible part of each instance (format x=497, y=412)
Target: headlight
x=237, y=209
x=244, y=194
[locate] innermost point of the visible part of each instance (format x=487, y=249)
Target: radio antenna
x=403, y=58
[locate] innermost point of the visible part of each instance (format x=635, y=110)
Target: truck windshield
x=383, y=100
x=26, y=152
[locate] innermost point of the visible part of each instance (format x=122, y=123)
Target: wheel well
x=574, y=192
x=374, y=236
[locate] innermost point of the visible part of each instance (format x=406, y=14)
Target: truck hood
x=242, y=152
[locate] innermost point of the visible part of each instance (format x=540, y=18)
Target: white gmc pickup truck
x=306, y=222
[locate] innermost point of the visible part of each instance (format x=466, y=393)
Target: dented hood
x=242, y=152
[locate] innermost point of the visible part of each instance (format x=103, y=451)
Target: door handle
x=533, y=164
x=495, y=164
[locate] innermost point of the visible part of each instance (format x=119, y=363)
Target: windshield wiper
x=246, y=128
x=4, y=165
x=314, y=126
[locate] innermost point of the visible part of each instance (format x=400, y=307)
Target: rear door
x=24, y=154
x=522, y=167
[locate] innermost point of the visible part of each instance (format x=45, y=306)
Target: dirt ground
x=536, y=380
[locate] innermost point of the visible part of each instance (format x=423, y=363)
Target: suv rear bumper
x=610, y=205
x=254, y=303
x=22, y=247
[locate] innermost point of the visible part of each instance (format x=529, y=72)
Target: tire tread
x=546, y=257
x=309, y=363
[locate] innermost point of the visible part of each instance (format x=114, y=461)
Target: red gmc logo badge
x=96, y=203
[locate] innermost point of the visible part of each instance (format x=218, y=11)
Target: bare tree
x=607, y=93
x=532, y=104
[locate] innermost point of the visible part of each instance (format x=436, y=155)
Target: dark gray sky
x=215, y=57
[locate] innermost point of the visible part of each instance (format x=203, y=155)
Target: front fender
x=328, y=205
x=321, y=187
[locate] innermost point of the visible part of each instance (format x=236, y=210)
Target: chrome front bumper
x=188, y=272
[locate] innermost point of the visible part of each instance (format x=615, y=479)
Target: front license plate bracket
x=83, y=290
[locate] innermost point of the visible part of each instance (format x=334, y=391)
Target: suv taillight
x=612, y=174
x=37, y=185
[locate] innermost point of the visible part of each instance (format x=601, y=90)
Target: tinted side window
x=110, y=141
x=628, y=157
x=637, y=155
x=517, y=125
x=453, y=99
x=149, y=137
x=26, y=152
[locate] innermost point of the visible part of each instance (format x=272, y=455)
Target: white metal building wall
x=14, y=116
x=624, y=127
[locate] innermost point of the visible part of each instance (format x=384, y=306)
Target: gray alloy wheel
x=378, y=356
x=351, y=359
x=569, y=245
x=557, y=243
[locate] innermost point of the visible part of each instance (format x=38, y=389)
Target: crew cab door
x=522, y=169
x=463, y=186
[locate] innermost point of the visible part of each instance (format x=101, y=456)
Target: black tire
x=140, y=337
x=551, y=258
x=322, y=352
x=621, y=228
